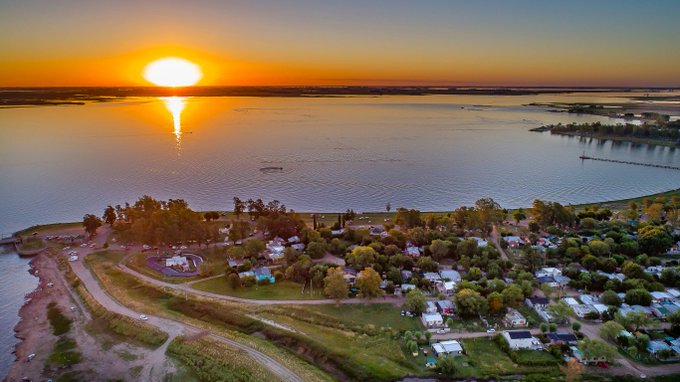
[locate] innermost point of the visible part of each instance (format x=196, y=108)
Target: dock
x=584, y=157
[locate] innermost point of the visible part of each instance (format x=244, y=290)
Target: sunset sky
x=316, y=42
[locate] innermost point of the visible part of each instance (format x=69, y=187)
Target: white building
x=514, y=319
x=521, y=339
x=444, y=348
x=451, y=275
x=432, y=320
x=177, y=261
x=548, y=272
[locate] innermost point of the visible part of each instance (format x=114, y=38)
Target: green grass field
x=281, y=290
x=385, y=315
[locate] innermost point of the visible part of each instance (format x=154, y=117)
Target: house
x=446, y=288
x=550, y=272
x=407, y=287
x=521, y=339
x=660, y=296
x=234, y=262
x=293, y=239
x=514, y=319
x=480, y=242
x=583, y=359
x=444, y=348
x=432, y=277
x=263, y=273
x=570, y=301
x=540, y=302
x=432, y=320
x=657, y=346
x=350, y=275
x=450, y=275
x=588, y=299
x=275, y=249
x=431, y=307
x=673, y=292
x=406, y=275
x=562, y=338
x=582, y=310
x=298, y=247
x=179, y=262
x=412, y=251
x=445, y=307
x=513, y=241
x=337, y=232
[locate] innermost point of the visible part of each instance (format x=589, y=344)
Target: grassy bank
x=281, y=290
x=205, y=357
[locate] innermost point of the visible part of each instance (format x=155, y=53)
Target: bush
x=60, y=323
x=64, y=353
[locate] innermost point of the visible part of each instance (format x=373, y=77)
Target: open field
x=385, y=315
x=281, y=290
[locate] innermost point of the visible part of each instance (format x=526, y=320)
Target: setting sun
x=172, y=72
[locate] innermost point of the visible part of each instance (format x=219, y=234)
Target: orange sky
x=308, y=43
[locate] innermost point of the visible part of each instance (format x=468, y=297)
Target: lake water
x=426, y=152
x=16, y=282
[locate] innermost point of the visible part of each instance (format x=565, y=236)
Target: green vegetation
x=282, y=290
x=379, y=315
x=65, y=353
x=41, y=228
x=206, y=359
x=661, y=132
x=60, y=323
x=31, y=244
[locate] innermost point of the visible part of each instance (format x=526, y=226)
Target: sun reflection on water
x=175, y=106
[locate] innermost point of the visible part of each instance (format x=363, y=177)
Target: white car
x=143, y=317
x=73, y=258
x=30, y=357
x=491, y=330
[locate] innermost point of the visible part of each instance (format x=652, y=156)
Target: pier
x=584, y=157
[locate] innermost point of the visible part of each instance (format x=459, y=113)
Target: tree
x=638, y=296
x=253, y=247
x=368, y=281
x=654, y=240
x=543, y=327
x=513, y=295
x=234, y=281
x=596, y=349
x=470, y=303
x=633, y=321
x=572, y=370
x=674, y=320
x=440, y=248
x=519, y=215
x=91, y=223
x=553, y=327
x=415, y=301
x=609, y=297
x=576, y=326
x=446, y=365
x=236, y=253
x=239, y=207
x=560, y=311
x=335, y=286
x=110, y=215
x=599, y=248
x=495, y=302
x=316, y=249
x=426, y=264
x=610, y=330
x=361, y=257
x=408, y=218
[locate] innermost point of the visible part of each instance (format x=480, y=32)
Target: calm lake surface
x=427, y=152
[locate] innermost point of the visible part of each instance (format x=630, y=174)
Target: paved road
x=173, y=328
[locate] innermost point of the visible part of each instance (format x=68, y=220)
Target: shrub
x=60, y=323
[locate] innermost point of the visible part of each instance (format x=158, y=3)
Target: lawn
x=281, y=290
x=386, y=315
x=484, y=358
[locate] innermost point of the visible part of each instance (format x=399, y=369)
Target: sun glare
x=172, y=72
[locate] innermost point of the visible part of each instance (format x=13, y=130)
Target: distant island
x=659, y=131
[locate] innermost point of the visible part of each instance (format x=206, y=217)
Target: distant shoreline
x=52, y=96
x=612, y=204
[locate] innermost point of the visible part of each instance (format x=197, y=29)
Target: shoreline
x=611, y=203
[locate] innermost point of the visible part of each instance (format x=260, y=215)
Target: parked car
x=143, y=317
x=491, y=330
x=30, y=357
